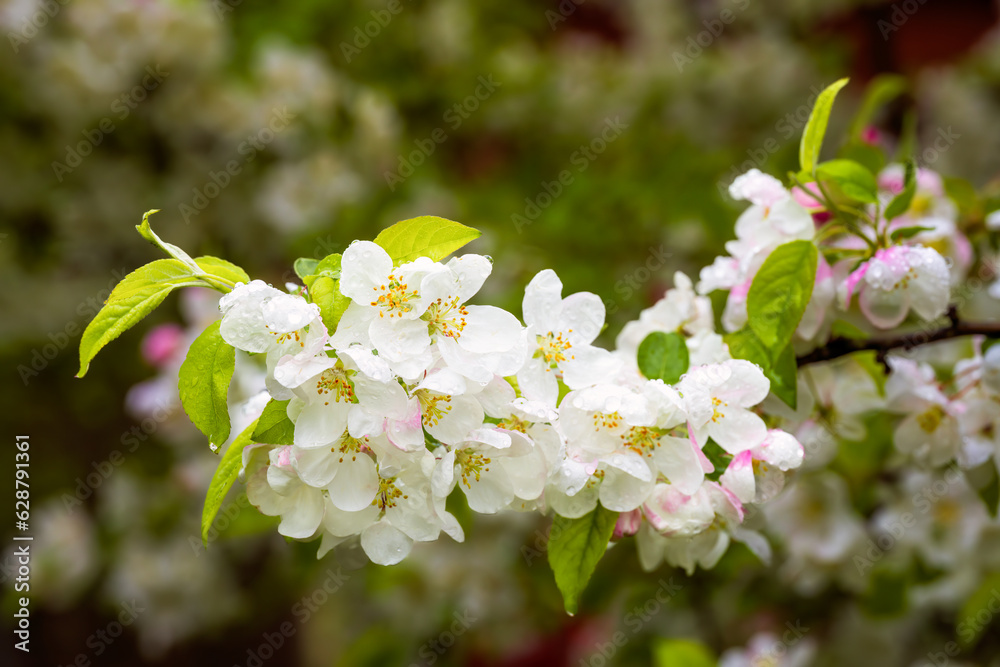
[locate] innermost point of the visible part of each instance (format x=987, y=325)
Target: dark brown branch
x=840, y=347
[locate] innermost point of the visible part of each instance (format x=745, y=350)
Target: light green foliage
x=812, y=136
x=274, y=427
x=851, y=178
x=682, y=653
x=575, y=547
x=663, y=356
x=426, y=236
x=204, y=383
x=780, y=293
x=222, y=480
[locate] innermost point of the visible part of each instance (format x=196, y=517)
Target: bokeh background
x=333, y=114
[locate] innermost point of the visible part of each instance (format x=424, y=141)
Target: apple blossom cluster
x=416, y=392
x=880, y=276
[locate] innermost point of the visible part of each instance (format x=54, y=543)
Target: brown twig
x=840, y=347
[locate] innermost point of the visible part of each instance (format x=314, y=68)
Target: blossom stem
x=839, y=346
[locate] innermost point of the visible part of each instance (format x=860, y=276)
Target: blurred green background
x=266, y=131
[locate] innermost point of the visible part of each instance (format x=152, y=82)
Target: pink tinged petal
x=628, y=524
x=542, y=301
x=364, y=267
x=407, y=434
x=781, y=449
x=384, y=544
x=356, y=483
x=738, y=477
x=852, y=282
x=884, y=309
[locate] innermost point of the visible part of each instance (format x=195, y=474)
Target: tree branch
x=840, y=347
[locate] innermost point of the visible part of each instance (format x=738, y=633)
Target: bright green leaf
x=575, y=546
x=900, y=204
x=119, y=316
x=663, y=356
x=222, y=480
x=970, y=626
x=962, y=193
x=908, y=232
x=854, y=180
x=147, y=233
x=274, y=427
x=426, y=236
x=812, y=136
x=305, y=266
x=780, y=293
x=325, y=293
x=784, y=378
x=204, y=383
x=875, y=369
x=221, y=268
x=682, y=653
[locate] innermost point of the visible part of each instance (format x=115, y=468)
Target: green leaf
x=158, y=273
x=325, y=293
x=222, y=480
x=305, y=266
x=970, y=624
x=887, y=595
x=575, y=546
x=983, y=478
x=812, y=136
x=274, y=427
x=876, y=370
x=881, y=90
x=220, y=268
x=780, y=293
x=854, y=180
x=844, y=329
x=908, y=232
x=781, y=372
x=116, y=317
x=744, y=344
x=868, y=156
x=663, y=356
x=682, y=653
x=900, y=204
x=204, y=383
x=784, y=378
x=147, y=233
x=426, y=236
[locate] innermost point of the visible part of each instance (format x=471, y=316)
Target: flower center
x=608, y=420
x=642, y=440
x=446, y=317
x=716, y=402
x=388, y=493
x=930, y=420
x=431, y=407
x=473, y=464
x=514, y=423
x=334, y=381
x=552, y=346
x=394, y=297
x=351, y=447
